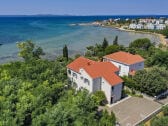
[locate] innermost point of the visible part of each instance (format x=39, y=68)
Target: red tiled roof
x=80, y=63
x=125, y=57
x=106, y=70
x=97, y=69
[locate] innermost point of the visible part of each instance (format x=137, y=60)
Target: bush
x=100, y=97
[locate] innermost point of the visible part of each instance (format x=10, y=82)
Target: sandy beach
x=162, y=37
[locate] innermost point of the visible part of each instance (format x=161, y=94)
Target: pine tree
x=115, y=42
x=105, y=43
x=65, y=52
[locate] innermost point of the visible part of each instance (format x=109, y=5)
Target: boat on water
x=1, y=44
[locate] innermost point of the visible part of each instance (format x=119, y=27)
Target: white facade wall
x=82, y=83
x=166, y=22
x=95, y=85
x=80, y=80
x=124, y=69
x=132, y=26
x=106, y=88
x=150, y=26
x=139, y=26
x=114, y=95
x=160, y=26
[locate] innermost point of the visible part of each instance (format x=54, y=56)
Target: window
x=81, y=78
x=112, y=88
x=74, y=75
x=86, y=81
x=69, y=72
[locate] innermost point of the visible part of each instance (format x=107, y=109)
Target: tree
x=152, y=81
x=162, y=121
x=29, y=51
x=143, y=44
x=100, y=97
x=105, y=43
x=65, y=52
x=107, y=120
x=159, y=59
x=115, y=42
x=165, y=110
x=111, y=49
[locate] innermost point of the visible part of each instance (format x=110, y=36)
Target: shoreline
x=161, y=37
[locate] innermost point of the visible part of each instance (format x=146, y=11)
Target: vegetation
x=163, y=32
x=37, y=92
x=29, y=51
x=152, y=81
x=143, y=44
x=100, y=97
x=161, y=121
x=115, y=42
x=65, y=52
x=105, y=43
x=99, y=50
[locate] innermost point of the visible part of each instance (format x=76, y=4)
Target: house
x=166, y=22
x=139, y=26
x=126, y=62
x=150, y=26
x=132, y=26
x=94, y=76
x=160, y=26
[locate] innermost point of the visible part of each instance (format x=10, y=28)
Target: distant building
x=126, y=62
x=160, y=26
x=139, y=26
x=94, y=76
x=136, y=26
x=166, y=22
x=150, y=26
x=132, y=26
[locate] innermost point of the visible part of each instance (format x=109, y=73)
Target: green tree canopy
x=152, y=81
x=111, y=49
x=115, y=42
x=29, y=51
x=159, y=121
x=105, y=43
x=143, y=44
x=108, y=120
x=65, y=52
x=100, y=97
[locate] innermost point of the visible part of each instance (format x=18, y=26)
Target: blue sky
x=83, y=7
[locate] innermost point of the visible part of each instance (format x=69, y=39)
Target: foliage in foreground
x=152, y=81
x=36, y=92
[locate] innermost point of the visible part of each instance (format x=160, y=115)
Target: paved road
x=134, y=109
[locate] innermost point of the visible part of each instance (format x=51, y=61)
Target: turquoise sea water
x=52, y=33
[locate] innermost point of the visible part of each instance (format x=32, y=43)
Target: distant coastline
x=162, y=37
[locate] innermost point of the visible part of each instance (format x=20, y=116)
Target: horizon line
x=83, y=15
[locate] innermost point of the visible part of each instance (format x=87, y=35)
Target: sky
x=84, y=7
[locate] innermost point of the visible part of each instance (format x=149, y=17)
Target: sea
x=52, y=32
